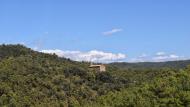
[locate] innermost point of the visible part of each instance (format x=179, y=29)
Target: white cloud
x=158, y=57
x=167, y=57
x=174, y=56
x=160, y=53
x=94, y=55
x=112, y=31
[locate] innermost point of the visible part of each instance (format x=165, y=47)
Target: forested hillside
x=29, y=78
x=152, y=65
x=169, y=88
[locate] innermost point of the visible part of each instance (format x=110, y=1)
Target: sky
x=100, y=30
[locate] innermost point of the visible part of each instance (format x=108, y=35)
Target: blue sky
x=141, y=30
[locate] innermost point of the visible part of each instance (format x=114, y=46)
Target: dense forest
x=33, y=79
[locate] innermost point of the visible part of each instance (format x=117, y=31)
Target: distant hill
x=152, y=65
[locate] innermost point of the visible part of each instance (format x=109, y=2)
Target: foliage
x=30, y=78
x=168, y=89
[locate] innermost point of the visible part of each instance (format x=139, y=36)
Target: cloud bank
x=106, y=57
x=94, y=55
x=158, y=57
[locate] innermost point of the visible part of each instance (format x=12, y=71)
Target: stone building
x=98, y=68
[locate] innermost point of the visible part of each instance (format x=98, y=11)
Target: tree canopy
x=29, y=78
